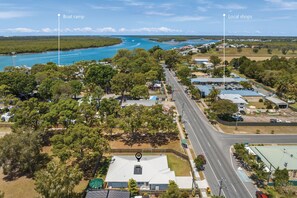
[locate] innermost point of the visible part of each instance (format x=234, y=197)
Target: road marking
x=234, y=188
x=219, y=163
x=208, y=144
x=230, y=152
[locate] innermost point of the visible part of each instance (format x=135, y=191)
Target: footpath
x=200, y=182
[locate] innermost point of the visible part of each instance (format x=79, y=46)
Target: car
x=273, y=120
x=260, y=194
x=291, y=101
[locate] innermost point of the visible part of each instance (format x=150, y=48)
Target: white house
x=151, y=172
x=236, y=99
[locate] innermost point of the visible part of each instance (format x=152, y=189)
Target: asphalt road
x=216, y=146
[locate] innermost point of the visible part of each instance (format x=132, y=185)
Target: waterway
x=69, y=57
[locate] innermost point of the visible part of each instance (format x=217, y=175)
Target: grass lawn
x=258, y=105
x=179, y=165
x=263, y=129
x=21, y=187
x=176, y=145
x=294, y=105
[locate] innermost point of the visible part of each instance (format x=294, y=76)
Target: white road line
x=237, y=173
x=219, y=163
x=208, y=144
x=233, y=187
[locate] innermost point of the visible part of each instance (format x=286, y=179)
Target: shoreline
x=62, y=50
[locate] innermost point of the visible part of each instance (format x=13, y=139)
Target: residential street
x=216, y=146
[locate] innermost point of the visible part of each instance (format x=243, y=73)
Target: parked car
x=6, y=117
x=260, y=194
x=273, y=120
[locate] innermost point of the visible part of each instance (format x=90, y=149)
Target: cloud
x=188, y=18
x=111, y=8
x=150, y=30
x=13, y=14
x=283, y=5
x=231, y=6
x=22, y=30
x=65, y=30
x=158, y=13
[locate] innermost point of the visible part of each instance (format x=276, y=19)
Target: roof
x=96, y=183
x=277, y=156
x=235, y=98
x=147, y=103
x=206, y=89
x=154, y=169
x=243, y=93
x=217, y=80
x=201, y=60
x=107, y=194
x=276, y=101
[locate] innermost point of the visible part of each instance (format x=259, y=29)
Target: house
x=147, y=103
x=235, y=99
x=150, y=173
x=107, y=194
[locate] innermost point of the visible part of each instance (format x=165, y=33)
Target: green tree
x=255, y=50
x=100, y=75
x=172, y=192
x=200, y=161
x=269, y=51
x=28, y=113
x=213, y=95
x=121, y=83
x=133, y=188
x=246, y=85
x=140, y=91
x=20, y=154
x=76, y=87
x=224, y=108
x=61, y=90
x=57, y=180
x=109, y=107
x=281, y=177
x=183, y=71
x=215, y=60
x=172, y=58
x=80, y=143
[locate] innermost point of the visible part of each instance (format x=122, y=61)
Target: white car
x=6, y=116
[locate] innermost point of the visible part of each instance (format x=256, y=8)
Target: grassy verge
x=262, y=129
x=179, y=165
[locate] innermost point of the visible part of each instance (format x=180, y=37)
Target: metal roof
x=244, y=93
x=277, y=156
x=235, y=98
x=276, y=101
x=107, y=194
x=217, y=80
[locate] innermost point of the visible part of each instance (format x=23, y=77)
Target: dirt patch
x=21, y=187
x=259, y=129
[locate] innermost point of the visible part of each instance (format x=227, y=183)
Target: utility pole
x=224, y=38
x=59, y=39
x=220, y=186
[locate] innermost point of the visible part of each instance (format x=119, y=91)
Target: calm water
x=69, y=57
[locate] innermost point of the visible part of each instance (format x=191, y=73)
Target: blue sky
x=125, y=17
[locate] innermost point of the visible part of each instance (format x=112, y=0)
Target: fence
x=152, y=150
x=256, y=123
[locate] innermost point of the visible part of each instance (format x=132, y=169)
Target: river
x=69, y=57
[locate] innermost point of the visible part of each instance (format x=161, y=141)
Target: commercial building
x=217, y=81
x=277, y=157
x=278, y=102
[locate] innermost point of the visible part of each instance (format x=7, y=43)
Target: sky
x=148, y=17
